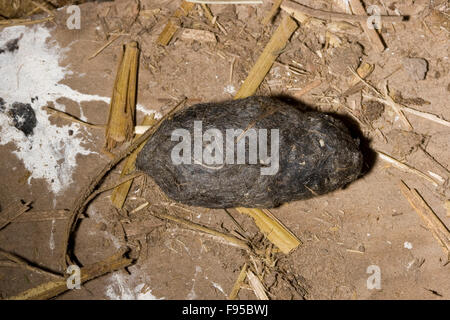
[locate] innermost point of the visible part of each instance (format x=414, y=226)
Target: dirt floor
x=345, y=234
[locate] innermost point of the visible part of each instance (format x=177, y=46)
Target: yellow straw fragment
x=120, y=192
x=273, y=229
x=265, y=61
x=172, y=25
x=120, y=125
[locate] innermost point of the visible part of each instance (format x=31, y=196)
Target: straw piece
x=198, y=35
x=43, y=8
x=23, y=22
x=114, y=184
x=172, y=25
x=372, y=34
x=52, y=289
x=273, y=229
x=45, y=215
x=123, y=102
x=213, y=19
x=363, y=71
x=388, y=100
x=257, y=286
x=70, y=117
x=266, y=222
x=400, y=108
x=426, y=115
x=239, y=282
x=273, y=11
x=265, y=61
x=355, y=85
x=310, y=86
x=22, y=263
x=12, y=212
x=298, y=11
x=434, y=224
x=120, y=192
x=194, y=226
x=404, y=167
x=107, y=44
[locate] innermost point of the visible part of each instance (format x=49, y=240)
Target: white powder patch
x=120, y=289
x=52, y=236
x=34, y=71
x=410, y=264
x=229, y=89
x=407, y=245
x=218, y=287
x=145, y=293
x=192, y=295
x=142, y=109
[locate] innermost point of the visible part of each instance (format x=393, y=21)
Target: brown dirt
x=343, y=233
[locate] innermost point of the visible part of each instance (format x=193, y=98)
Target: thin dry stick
x=241, y=229
x=230, y=239
x=113, y=185
x=269, y=112
x=257, y=286
x=363, y=80
x=106, y=45
x=68, y=116
x=273, y=11
x=265, y=61
x=273, y=229
x=396, y=106
x=32, y=12
x=355, y=85
x=292, y=7
x=22, y=263
x=310, y=86
x=426, y=115
x=43, y=8
x=391, y=102
x=172, y=25
x=268, y=224
x=230, y=80
x=23, y=22
x=120, y=127
x=434, y=224
x=13, y=212
x=213, y=19
x=120, y=193
x=52, y=289
x=82, y=200
x=434, y=160
x=372, y=34
x=45, y=215
x=238, y=283
x=363, y=71
x=404, y=167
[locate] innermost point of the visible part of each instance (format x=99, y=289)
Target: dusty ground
x=343, y=233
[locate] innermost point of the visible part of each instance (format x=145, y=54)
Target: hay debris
x=12, y=212
x=120, y=126
x=434, y=224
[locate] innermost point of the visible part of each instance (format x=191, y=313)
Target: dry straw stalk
x=120, y=126
x=120, y=192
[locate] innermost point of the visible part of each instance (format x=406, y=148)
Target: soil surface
x=368, y=225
